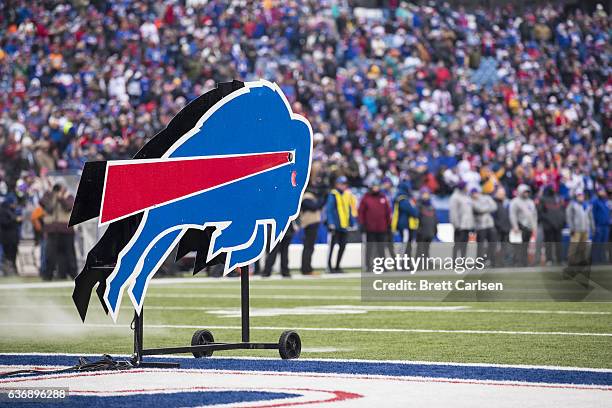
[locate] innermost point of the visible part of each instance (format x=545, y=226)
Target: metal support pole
x=244, y=303
x=138, y=336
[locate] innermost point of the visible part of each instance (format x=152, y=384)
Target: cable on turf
x=84, y=364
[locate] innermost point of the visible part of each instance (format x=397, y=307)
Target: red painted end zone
x=133, y=187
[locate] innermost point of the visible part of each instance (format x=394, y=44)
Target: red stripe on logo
x=134, y=187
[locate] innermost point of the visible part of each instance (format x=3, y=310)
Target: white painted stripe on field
x=352, y=288
x=323, y=310
x=342, y=360
x=332, y=329
x=460, y=309
x=313, y=309
x=325, y=349
x=529, y=311
x=172, y=281
x=205, y=296
x=37, y=285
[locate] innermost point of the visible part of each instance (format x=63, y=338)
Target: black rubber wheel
x=201, y=337
x=289, y=345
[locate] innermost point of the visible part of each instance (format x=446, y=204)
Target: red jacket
x=375, y=212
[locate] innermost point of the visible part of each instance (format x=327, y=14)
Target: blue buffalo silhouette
x=253, y=119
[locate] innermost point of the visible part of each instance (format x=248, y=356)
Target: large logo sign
x=239, y=171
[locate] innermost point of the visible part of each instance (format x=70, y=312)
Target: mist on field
x=50, y=314
x=23, y=313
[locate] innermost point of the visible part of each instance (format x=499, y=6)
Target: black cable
x=84, y=364
x=20, y=372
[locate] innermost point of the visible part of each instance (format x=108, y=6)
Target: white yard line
x=203, y=296
x=173, y=281
x=254, y=286
x=528, y=311
x=405, y=309
x=318, y=329
x=216, y=296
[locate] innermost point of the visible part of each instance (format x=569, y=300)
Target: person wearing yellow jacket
x=341, y=214
x=405, y=215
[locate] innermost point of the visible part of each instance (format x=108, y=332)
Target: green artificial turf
x=44, y=320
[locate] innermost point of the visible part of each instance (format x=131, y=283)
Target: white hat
x=523, y=188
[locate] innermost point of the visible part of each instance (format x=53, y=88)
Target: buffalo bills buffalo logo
x=240, y=170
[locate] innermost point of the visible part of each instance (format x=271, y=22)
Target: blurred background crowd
x=414, y=100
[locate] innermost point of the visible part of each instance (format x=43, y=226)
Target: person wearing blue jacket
x=600, y=220
x=341, y=209
x=405, y=215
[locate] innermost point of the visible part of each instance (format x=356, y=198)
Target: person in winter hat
x=428, y=223
x=551, y=212
x=375, y=221
x=461, y=214
x=523, y=219
x=404, y=219
x=579, y=223
x=484, y=207
x=310, y=219
x=501, y=218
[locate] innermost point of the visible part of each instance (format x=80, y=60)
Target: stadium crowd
x=407, y=101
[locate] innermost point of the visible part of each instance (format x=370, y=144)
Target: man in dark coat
x=310, y=218
x=552, y=213
x=501, y=218
x=10, y=224
x=428, y=223
x=283, y=248
x=375, y=220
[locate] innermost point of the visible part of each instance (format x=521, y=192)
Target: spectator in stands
x=375, y=220
x=601, y=212
x=341, y=213
x=428, y=223
x=490, y=179
x=461, y=216
x=37, y=223
x=10, y=224
x=486, y=235
x=524, y=220
x=405, y=215
x=60, y=256
x=551, y=213
x=425, y=90
x=387, y=188
x=310, y=218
